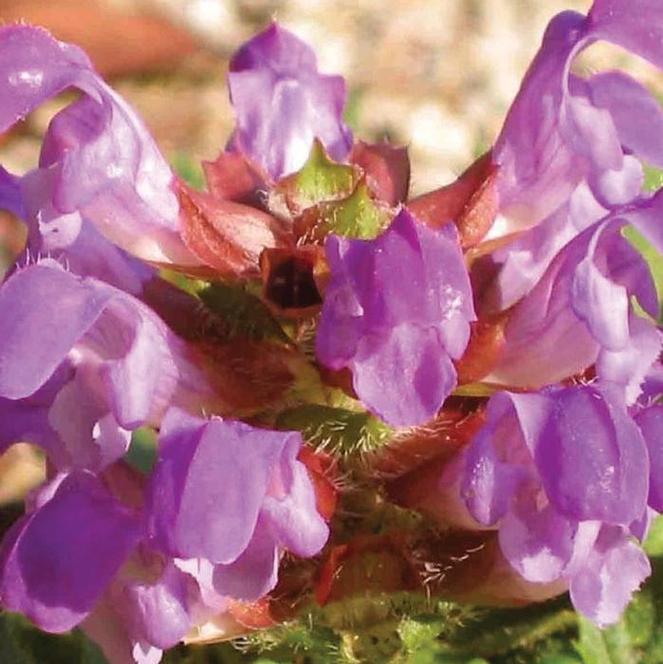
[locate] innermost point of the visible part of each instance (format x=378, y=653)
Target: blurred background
x=437, y=75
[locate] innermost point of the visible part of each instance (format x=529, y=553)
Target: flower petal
x=282, y=103
x=106, y=164
x=592, y=457
x=57, y=560
x=615, y=569
x=209, y=484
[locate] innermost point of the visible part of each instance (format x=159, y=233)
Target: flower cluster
x=502, y=328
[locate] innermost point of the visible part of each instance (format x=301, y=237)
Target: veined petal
x=159, y=612
x=562, y=129
x=650, y=421
x=592, y=457
x=129, y=360
x=633, y=24
x=537, y=543
x=209, y=484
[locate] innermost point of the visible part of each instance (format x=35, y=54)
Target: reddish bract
x=470, y=202
x=386, y=168
x=227, y=236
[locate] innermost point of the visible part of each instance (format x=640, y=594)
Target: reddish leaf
x=231, y=177
x=253, y=615
x=225, y=235
x=322, y=470
x=366, y=564
x=340, y=378
x=441, y=438
x=387, y=170
x=470, y=202
x=484, y=349
x=247, y=376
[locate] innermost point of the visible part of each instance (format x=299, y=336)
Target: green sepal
x=476, y=390
x=357, y=216
x=320, y=179
x=142, y=452
x=653, y=259
x=653, y=178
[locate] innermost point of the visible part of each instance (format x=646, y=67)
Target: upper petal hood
x=107, y=166
x=282, y=103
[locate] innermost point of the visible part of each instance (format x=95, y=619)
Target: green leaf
x=476, y=390
x=653, y=545
x=504, y=631
x=242, y=313
x=650, y=254
x=653, y=178
x=608, y=646
x=189, y=170
x=336, y=430
x=418, y=632
x=21, y=643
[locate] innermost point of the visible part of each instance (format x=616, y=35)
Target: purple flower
x=98, y=163
x=564, y=476
x=520, y=264
x=69, y=238
x=650, y=421
x=223, y=504
x=235, y=496
x=580, y=312
x=282, y=103
x=80, y=554
x=396, y=312
x=563, y=129
x=57, y=560
x=82, y=363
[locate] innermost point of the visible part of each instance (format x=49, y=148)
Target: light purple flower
x=282, y=103
x=80, y=555
x=564, y=477
x=235, y=496
x=563, y=129
x=396, y=312
x=142, y=566
x=520, y=264
x=57, y=560
x=650, y=421
x=98, y=162
x=82, y=363
x=68, y=238
x=580, y=312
